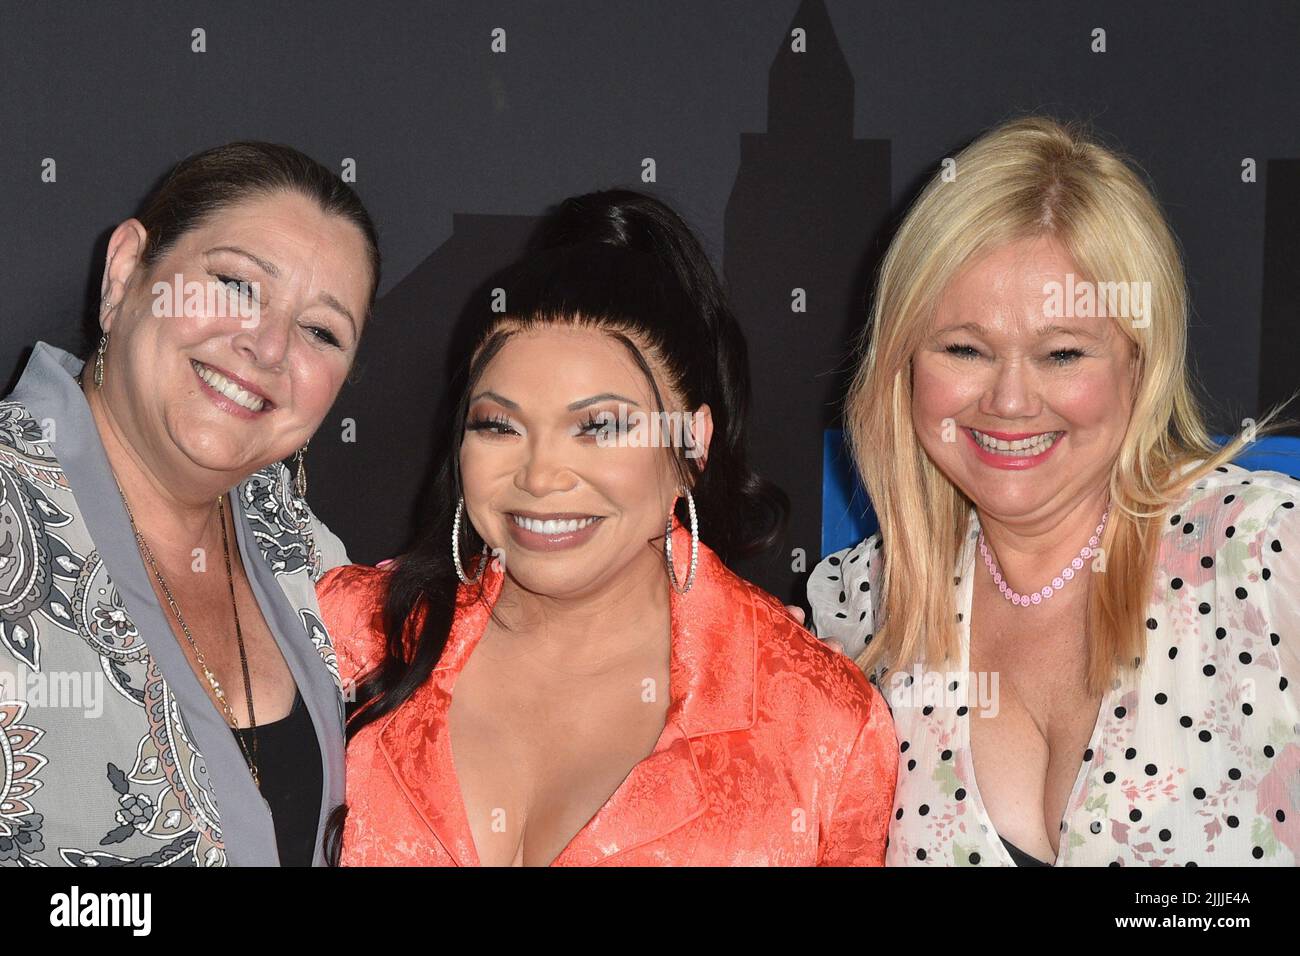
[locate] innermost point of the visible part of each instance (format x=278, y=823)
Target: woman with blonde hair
x=1073, y=589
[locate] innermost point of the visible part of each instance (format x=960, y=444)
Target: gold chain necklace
x=249, y=758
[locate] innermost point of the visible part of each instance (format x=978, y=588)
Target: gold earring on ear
x=300, y=471
x=99, y=360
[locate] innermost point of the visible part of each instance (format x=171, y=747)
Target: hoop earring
x=300, y=471
x=455, y=548
x=99, y=360
x=695, y=545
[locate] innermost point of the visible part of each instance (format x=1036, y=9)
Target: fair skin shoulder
x=996, y=367
x=554, y=709
x=195, y=401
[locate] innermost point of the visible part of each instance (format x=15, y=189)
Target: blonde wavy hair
x=1030, y=177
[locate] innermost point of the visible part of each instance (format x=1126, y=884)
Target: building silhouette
x=406, y=360
x=808, y=211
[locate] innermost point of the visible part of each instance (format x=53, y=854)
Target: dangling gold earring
x=99, y=361
x=300, y=471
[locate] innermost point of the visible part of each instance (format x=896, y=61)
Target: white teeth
x=551, y=526
x=1021, y=447
x=226, y=387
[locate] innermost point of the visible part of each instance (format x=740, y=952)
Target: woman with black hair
x=568, y=627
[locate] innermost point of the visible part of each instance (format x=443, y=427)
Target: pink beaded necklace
x=1058, y=582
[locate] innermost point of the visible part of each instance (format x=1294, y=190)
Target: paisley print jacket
x=111, y=753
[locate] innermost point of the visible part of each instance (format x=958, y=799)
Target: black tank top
x=1021, y=857
x=289, y=765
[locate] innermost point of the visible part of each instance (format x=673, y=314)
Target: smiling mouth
x=1020, y=448
x=236, y=393
x=561, y=524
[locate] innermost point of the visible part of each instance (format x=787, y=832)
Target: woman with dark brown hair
x=167, y=692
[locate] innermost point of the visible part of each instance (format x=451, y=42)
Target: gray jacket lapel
x=49, y=392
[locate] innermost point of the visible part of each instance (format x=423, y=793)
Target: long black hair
x=627, y=264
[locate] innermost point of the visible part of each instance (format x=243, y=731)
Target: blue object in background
x=847, y=517
x=1270, y=453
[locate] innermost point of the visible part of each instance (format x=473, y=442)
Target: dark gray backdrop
x=791, y=167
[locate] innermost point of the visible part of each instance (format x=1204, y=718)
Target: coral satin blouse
x=775, y=749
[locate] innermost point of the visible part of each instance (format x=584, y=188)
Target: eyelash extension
x=490, y=424
x=1071, y=353
x=956, y=349
x=499, y=424
x=599, y=421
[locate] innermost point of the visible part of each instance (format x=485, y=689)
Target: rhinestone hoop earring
x=695, y=545
x=455, y=547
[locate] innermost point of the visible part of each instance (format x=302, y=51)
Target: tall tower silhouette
x=807, y=211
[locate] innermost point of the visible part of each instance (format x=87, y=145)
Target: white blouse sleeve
x=1279, y=553
x=841, y=590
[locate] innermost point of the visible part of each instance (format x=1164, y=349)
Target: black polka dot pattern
x=1184, y=766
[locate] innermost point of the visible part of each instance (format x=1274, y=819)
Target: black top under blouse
x=1021, y=857
x=289, y=765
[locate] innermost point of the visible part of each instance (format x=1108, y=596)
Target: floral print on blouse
x=1193, y=761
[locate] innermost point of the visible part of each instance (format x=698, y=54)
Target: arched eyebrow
x=270, y=268
x=1047, y=330
x=603, y=396
x=339, y=307
x=1042, y=333
x=496, y=397
x=573, y=407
